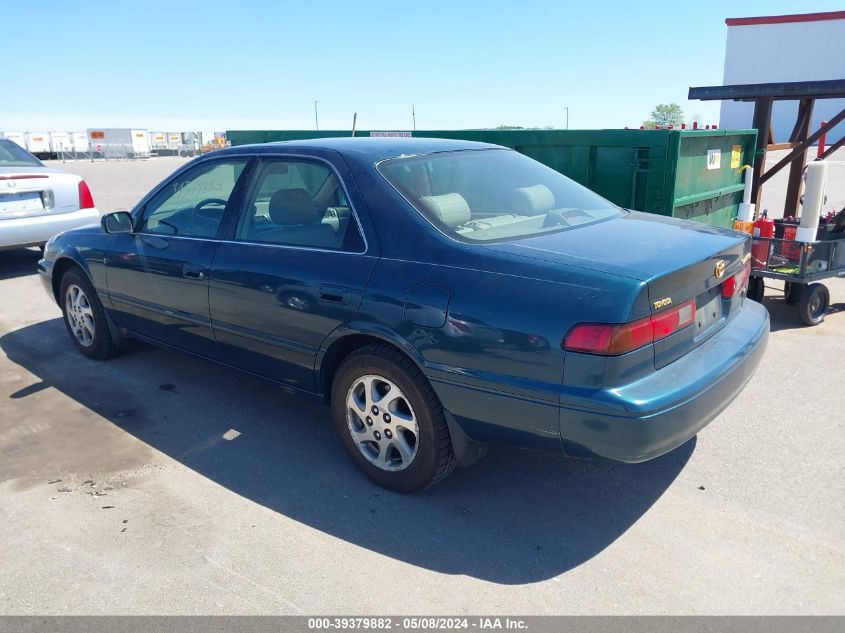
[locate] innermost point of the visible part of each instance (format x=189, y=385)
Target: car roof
x=374, y=148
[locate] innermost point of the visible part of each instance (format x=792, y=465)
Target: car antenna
x=354, y=121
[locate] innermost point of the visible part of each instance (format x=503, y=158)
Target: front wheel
x=813, y=304
x=390, y=421
x=84, y=316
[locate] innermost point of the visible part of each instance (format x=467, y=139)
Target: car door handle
x=193, y=272
x=334, y=294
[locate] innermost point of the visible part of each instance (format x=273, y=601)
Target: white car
x=36, y=201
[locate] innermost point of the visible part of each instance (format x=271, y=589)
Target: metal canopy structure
x=764, y=95
x=779, y=91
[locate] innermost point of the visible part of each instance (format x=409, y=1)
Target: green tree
x=665, y=114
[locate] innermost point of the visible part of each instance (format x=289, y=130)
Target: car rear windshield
x=13, y=155
x=496, y=194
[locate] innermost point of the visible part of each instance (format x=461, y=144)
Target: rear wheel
x=756, y=289
x=390, y=421
x=813, y=304
x=84, y=316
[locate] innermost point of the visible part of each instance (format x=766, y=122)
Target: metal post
x=796, y=168
x=822, y=140
x=830, y=150
x=762, y=121
x=567, y=116
x=316, y=120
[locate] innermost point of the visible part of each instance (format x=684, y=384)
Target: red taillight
x=612, y=340
x=86, y=200
x=737, y=282
x=671, y=321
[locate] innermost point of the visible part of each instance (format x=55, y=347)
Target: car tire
x=390, y=421
x=756, y=289
x=84, y=316
x=813, y=304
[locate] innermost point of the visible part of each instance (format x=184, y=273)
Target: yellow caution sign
x=736, y=155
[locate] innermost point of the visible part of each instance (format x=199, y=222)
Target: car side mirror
x=117, y=222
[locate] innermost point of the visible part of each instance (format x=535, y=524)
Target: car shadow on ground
x=516, y=517
x=19, y=262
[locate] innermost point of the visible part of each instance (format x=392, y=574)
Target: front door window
x=192, y=204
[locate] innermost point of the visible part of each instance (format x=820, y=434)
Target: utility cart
x=801, y=265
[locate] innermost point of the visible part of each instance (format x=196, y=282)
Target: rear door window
x=298, y=202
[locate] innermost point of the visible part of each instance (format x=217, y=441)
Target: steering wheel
x=199, y=205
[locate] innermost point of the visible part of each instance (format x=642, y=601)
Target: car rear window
x=496, y=194
x=13, y=155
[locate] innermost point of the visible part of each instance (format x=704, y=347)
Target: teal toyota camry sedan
x=439, y=295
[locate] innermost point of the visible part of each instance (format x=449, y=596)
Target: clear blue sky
x=261, y=64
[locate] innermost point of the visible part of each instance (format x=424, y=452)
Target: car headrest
x=533, y=200
x=450, y=208
x=293, y=206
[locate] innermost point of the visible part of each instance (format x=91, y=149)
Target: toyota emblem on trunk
x=720, y=269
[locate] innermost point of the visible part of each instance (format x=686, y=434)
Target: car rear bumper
x=654, y=415
x=38, y=229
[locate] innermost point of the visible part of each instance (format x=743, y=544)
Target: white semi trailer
x=174, y=140
x=80, y=141
x=120, y=142
x=38, y=144
x=16, y=137
x=158, y=141
x=60, y=143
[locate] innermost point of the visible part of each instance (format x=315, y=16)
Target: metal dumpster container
x=690, y=174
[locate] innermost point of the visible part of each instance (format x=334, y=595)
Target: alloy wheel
x=80, y=315
x=382, y=423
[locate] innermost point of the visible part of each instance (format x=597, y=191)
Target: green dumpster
x=690, y=174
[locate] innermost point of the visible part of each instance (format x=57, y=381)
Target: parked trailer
x=38, y=144
x=70, y=145
x=165, y=143
x=61, y=143
x=120, y=142
x=158, y=142
x=80, y=142
x=16, y=137
x=174, y=140
x=801, y=266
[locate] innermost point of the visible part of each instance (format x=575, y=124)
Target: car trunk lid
x=680, y=261
x=28, y=192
